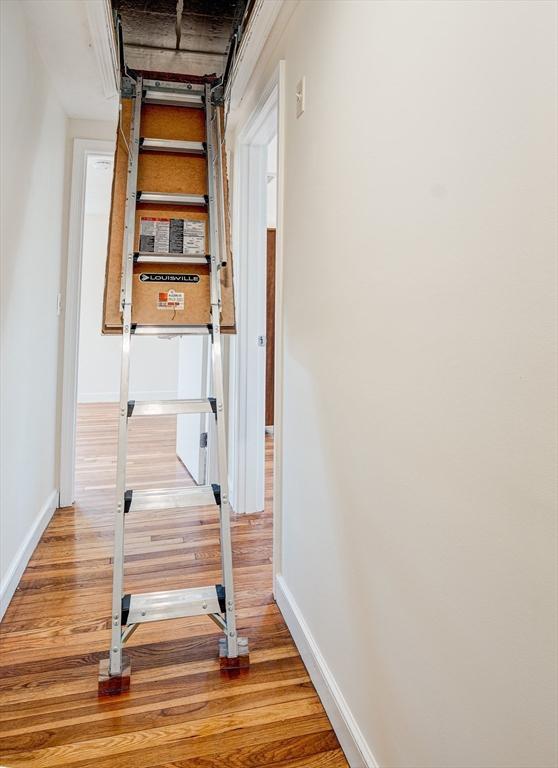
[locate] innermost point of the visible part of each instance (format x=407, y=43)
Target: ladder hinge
x=220, y=589
x=127, y=88
x=127, y=501
x=125, y=609
x=203, y=440
x=217, y=493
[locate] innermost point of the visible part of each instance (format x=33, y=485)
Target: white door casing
x=82, y=149
x=247, y=362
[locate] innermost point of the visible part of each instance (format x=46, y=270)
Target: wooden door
x=270, y=330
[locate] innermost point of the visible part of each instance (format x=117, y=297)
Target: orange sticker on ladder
x=170, y=300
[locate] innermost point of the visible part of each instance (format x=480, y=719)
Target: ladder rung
x=173, y=145
x=173, y=98
x=170, y=407
x=174, y=85
x=171, y=330
x=146, y=257
x=170, y=198
x=172, y=498
x=171, y=604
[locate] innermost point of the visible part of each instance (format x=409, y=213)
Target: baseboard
x=350, y=737
x=23, y=555
x=114, y=397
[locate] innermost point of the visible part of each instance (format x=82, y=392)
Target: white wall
x=419, y=411
x=154, y=365
x=33, y=134
x=71, y=39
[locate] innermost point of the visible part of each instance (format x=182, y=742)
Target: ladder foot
x=112, y=685
x=234, y=666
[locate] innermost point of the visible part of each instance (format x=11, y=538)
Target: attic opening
x=193, y=37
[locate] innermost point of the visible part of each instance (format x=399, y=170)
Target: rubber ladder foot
x=232, y=666
x=112, y=685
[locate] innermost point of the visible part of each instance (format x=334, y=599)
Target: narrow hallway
x=180, y=711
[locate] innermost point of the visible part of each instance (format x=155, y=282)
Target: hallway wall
x=33, y=135
x=419, y=410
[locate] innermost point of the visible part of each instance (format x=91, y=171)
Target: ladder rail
x=115, y=656
x=221, y=180
x=217, y=365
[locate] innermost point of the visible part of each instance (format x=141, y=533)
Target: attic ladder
x=217, y=600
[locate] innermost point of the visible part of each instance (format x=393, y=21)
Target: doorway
x=256, y=350
x=85, y=151
x=91, y=375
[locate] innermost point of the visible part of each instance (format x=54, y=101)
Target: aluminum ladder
x=216, y=601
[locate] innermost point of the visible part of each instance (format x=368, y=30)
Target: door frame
x=82, y=150
x=247, y=358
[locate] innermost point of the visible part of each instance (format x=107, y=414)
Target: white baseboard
x=350, y=737
x=23, y=555
x=114, y=397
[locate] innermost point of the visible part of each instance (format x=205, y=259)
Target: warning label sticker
x=194, y=237
x=186, y=236
x=170, y=300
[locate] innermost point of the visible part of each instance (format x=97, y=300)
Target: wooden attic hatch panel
x=168, y=173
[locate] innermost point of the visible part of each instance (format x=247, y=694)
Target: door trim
x=82, y=149
x=247, y=359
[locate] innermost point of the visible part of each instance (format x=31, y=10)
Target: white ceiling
x=70, y=44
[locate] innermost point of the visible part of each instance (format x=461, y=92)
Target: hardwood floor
x=180, y=711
